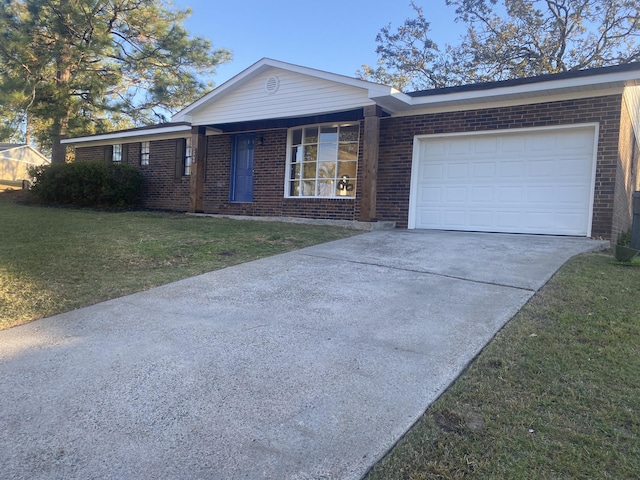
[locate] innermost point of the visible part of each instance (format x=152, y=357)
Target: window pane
x=347, y=169
x=320, y=158
x=327, y=170
x=310, y=153
x=296, y=137
x=295, y=171
x=144, y=153
x=117, y=153
x=296, y=154
x=326, y=188
x=310, y=135
x=350, y=133
x=329, y=134
x=328, y=151
x=309, y=188
x=348, y=151
x=309, y=170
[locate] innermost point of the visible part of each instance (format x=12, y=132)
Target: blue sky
x=333, y=35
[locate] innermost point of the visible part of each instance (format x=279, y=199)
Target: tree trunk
x=60, y=125
x=58, y=151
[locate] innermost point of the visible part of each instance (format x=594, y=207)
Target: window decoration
x=144, y=153
x=323, y=161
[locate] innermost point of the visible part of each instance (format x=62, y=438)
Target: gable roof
x=271, y=89
x=274, y=89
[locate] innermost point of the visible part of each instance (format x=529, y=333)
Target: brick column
x=369, y=180
x=198, y=158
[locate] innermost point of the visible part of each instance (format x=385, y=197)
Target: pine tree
x=76, y=67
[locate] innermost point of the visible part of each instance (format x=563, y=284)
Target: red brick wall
x=268, y=189
x=627, y=175
x=396, y=147
x=89, y=154
x=160, y=189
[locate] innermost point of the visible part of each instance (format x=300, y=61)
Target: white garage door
x=533, y=181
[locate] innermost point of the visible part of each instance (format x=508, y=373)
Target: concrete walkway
x=307, y=365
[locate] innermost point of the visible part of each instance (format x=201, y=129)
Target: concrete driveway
x=307, y=365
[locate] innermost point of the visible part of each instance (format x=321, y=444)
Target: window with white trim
x=116, y=153
x=145, y=149
x=188, y=157
x=322, y=161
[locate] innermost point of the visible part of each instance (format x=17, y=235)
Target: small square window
x=144, y=153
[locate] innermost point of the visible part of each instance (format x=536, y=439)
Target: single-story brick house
x=555, y=154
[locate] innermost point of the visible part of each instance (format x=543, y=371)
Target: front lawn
x=56, y=259
x=556, y=395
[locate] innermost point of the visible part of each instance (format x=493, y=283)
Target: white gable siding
x=297, y=95
x=632, y=97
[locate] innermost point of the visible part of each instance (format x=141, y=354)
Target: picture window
x=323, y=161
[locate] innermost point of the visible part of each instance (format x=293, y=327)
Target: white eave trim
x=579, y=85
x=121, y=136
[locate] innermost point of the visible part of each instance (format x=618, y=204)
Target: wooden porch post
x=369, y=181
x=198, y=156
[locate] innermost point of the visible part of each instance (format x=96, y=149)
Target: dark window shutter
x=181, y=145
x=108, y=153
x=125, y=153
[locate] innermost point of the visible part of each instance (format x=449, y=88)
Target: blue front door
x=242, y=169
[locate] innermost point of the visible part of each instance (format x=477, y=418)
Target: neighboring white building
x=15, y=160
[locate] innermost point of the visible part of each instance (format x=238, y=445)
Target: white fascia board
x=374, y=90
x=114, y=136
x=579, y=84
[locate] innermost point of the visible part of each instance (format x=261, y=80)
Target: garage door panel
x=481, y=194
x=430, y=196
x=511, y=170
x=541, y=168
x=484, y=170
x=513, y=144
x=524, y=181
x=510, y=195
x=462, y=148
x=480, y=219
x=455, y=219
x=432, y=172
x=457, y=171
x=431, y=217
x=455, y=195
x=486, y=145
x=539, y=195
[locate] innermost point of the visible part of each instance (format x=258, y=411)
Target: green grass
x=556, y=395
x=54, y=260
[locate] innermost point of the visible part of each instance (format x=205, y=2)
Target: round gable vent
x=271, y=85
